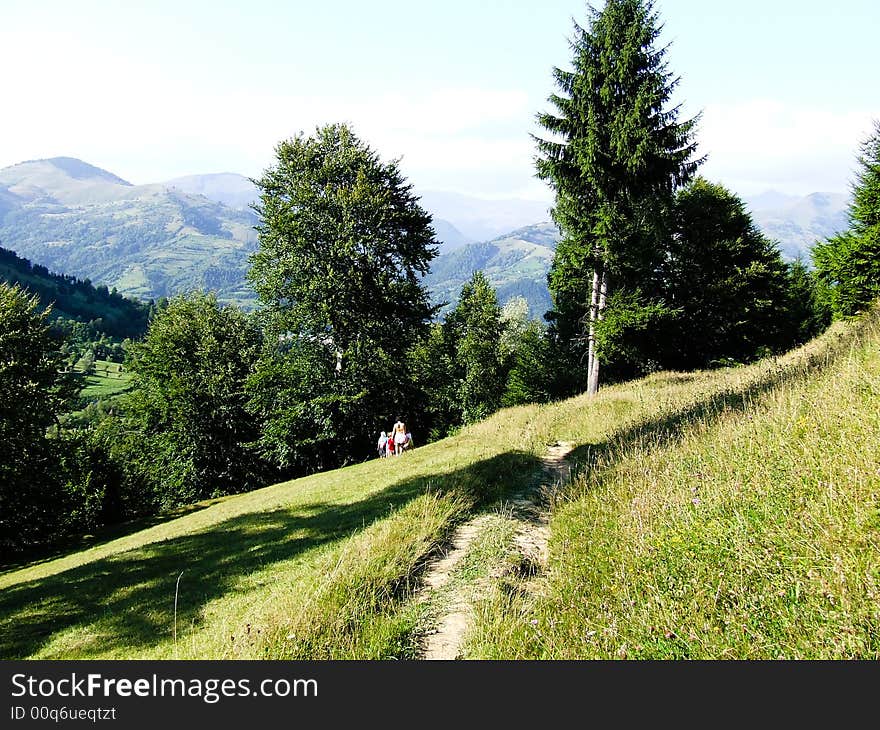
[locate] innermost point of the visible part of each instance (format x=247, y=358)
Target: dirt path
x=534, y=528
x=530, y=540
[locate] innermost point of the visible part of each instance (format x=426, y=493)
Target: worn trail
x=530, y=541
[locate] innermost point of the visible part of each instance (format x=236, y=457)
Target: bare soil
x=530, y=541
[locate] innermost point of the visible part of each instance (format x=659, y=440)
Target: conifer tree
x=615, y=156
x=475, y=326
x=849, y=263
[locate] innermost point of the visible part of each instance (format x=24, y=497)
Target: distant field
x=109, y=379
x=327, y=566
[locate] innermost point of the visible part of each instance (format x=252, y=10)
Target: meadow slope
x=748, y=530
x=327, y=566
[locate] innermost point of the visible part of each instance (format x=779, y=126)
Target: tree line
x=657, y=268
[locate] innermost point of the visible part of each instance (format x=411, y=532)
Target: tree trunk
x=591, y=332
x=599, y=307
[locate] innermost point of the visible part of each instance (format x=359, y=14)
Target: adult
x=399, y=434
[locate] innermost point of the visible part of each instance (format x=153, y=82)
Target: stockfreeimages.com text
x=209, y=690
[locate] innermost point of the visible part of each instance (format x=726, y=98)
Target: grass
x=327, y=566
x=108, y=379
x=748, y=530
x=306, y=568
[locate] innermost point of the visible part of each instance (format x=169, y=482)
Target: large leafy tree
x=849, y=263
x=32, y=393
x=725, y=280
x=434, y=369
x=343, y=246
x=615, y=155
x=188, y=402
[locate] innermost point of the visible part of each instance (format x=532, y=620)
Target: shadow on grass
x=126, y=601
x=41, y=555
x=671, y=427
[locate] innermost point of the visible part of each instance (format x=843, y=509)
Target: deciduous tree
x=32, y=394
x=343, y=246
x=189, y=398
x=725, y=280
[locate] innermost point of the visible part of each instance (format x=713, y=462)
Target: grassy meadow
x=108, y=379
x=747, y=531
x=726, y=513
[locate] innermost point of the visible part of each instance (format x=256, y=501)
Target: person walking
x=399, y=434
x=382, y=445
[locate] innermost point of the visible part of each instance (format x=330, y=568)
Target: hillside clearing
x=327, y=566
x=743, y=534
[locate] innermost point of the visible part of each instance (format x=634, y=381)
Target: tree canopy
x=189, y=399
x=343, y=245
x=615, y=156
x=849, y=263
x=32, y=392
x=725, y=280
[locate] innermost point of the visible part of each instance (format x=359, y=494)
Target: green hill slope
x=146, y=240
x=327, y=566
x=516, y=264
x=748, y=530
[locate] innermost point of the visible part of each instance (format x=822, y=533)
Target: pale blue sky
x=153, y=90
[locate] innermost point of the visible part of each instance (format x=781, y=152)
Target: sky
x=152, y=90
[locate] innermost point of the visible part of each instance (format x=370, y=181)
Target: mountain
x=237, y=191
x=770, y=200
x=233, y=190
x=516, y=264
x=198, y=231
x=795, y=221
x=481, y=219
x=147, y=241
x=449, y=236
x=798, y=222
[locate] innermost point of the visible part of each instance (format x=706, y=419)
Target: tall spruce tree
x=616, y=154
x=343, y=246
x=849, y=263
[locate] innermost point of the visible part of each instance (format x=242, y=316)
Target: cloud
x=151, y=127
x=765, y=144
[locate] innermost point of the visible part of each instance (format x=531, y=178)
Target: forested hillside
x=108, y=311
x=639, y=430
x=516, y=264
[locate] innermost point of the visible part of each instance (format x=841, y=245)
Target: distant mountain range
x=147, y=241
x=798, y=222
x=458, y=219
x=516, y=264
x=198, y=231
